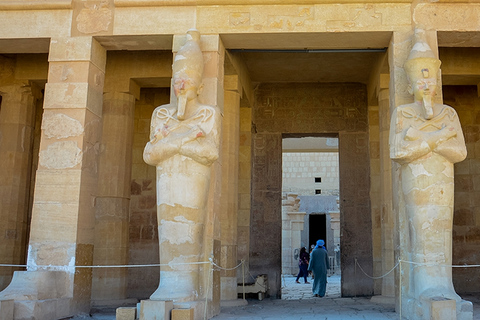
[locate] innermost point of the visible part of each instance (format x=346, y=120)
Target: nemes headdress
x=189, y=59
x=421, y=62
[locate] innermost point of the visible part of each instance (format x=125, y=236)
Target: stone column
x=113, y=197
x=375, y=202
x=213, y=94
x=398, y=52
x=229, y=204
x=17, y=120
x=244, y=187
x=62, y=228
x=355, y=181
x=387, y=218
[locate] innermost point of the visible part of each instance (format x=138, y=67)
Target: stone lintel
x=151, y=3
x=36, y=5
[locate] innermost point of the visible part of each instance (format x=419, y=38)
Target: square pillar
x=62, y=227
x=229, y=200
x=112, y=203
x=397, y=55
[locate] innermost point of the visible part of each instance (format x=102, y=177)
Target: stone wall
x=466, y=219
x=143, y=210
x=287, y=110
x=301, y=168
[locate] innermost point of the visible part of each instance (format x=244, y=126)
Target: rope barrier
x=227, y=269
x=375, y=278
x=414, y=263
x=108, y=266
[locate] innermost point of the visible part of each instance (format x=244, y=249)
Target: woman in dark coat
x=303, y=265
x=319, y=265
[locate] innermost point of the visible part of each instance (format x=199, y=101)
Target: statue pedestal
x=440, y=308
x=198, y=308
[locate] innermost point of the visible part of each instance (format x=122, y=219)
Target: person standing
x=303, y=265
x=319, y=265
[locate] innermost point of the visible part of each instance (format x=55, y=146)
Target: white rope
x=107, y=266
x=227, y=269
x=415, y=263
x=441, y=265
x=380, y=277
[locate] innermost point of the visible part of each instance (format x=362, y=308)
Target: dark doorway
x=317, y=228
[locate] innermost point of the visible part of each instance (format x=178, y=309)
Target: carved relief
x=96, y=16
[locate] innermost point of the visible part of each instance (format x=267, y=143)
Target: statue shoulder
x=405, y=110
x=164, y=112
x=168, y=107
x=213, y=109
x=449, y=109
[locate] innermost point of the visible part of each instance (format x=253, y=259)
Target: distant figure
x=319, y=265
x=303, y=265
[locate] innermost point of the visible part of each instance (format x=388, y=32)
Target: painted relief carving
x=184, y=142
x=426, y=139
x=94, y=17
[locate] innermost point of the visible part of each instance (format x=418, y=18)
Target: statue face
x=184, y=86
x=424, y=87
x=424, y=90
x=185, y=89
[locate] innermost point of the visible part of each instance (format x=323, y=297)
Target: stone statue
x=426, y=139
x=184, y=142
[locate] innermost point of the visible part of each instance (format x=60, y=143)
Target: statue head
x=187, y=71
x=422, y=69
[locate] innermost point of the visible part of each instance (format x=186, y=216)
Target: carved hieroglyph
x=426, y=139
x=184, y=142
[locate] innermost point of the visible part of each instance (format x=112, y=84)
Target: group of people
x=317, y=263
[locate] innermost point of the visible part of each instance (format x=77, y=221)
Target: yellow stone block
x=40, y=22
x=442, y=309
x=126, y=313
x=161, y=20
x=182, y=314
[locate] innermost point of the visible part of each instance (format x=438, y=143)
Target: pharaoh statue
x=184, y=142
x=426, y=139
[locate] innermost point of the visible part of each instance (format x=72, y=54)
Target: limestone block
x=442, y=309
x=12, y=23
x=6, y=310
x=126, y=313
x=198, y=308
x=162, y=19
x=182, y=314
x=77, y=49
x=155, y=309
x=35, y=309
x=465, y=312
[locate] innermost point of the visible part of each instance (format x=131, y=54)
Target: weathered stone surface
x=60, y=126
x=126, y=313
x=155, y=310
x=61, y=155
x=289, y=108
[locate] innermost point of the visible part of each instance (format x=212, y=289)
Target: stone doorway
x=295, y=110
x=317, y=228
